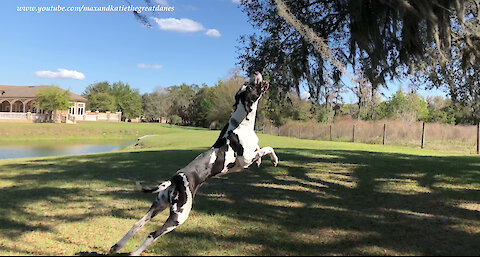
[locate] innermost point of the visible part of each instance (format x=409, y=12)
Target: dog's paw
x=136, y=254
x=114, y=249
x=275, y=160
x=258, y=161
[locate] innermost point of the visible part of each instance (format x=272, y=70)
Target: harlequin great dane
x=235, y=149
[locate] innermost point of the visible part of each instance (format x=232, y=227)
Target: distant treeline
x=211, y=107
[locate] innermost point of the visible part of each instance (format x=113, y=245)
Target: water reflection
x=58, y=149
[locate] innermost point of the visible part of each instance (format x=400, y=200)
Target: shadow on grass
x=98, y=254
x=317, y=202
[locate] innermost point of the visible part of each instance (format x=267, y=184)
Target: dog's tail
x=158, y=188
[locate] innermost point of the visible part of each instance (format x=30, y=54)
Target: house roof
x=29, y=92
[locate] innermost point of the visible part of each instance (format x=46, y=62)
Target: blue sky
x=196, y=43
x=112, y=46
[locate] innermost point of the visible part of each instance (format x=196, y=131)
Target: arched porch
x=31, y=106
x=17, y=106
x=5, y=106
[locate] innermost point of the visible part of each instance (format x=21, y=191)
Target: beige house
x=19, y=103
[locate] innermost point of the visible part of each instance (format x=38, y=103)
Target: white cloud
x=162, y=2
x=213, y=33
x=184, y=25
x=179, y=25
x=60, y=74
x=150, y=66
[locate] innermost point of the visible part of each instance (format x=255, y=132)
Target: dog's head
x=251, y=92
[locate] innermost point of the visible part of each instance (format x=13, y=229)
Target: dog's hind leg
x=180, y=206
x=157, y=207
x=172, y=222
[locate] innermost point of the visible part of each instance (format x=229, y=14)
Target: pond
x=54, y=149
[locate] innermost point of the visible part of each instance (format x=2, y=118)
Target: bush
x=175, y=120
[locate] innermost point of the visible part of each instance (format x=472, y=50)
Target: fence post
x=330, y=132
x=423, y=135
x=353, y=136
x=478, y=138
x=299, y=133
x=384, y=133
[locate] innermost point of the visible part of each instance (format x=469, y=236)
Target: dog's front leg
x=267, y=151
x=257, y=157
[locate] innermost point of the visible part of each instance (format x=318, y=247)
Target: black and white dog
x=235, y=149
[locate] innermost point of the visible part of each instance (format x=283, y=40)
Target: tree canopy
x=100, y=97
x=53, y=98
x=127, y=100
x=194, y=105
x=119, y=96
x=315, y=42
x=156, y=105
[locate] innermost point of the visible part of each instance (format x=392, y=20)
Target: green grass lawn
x=325, y=198
x=84, y=131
